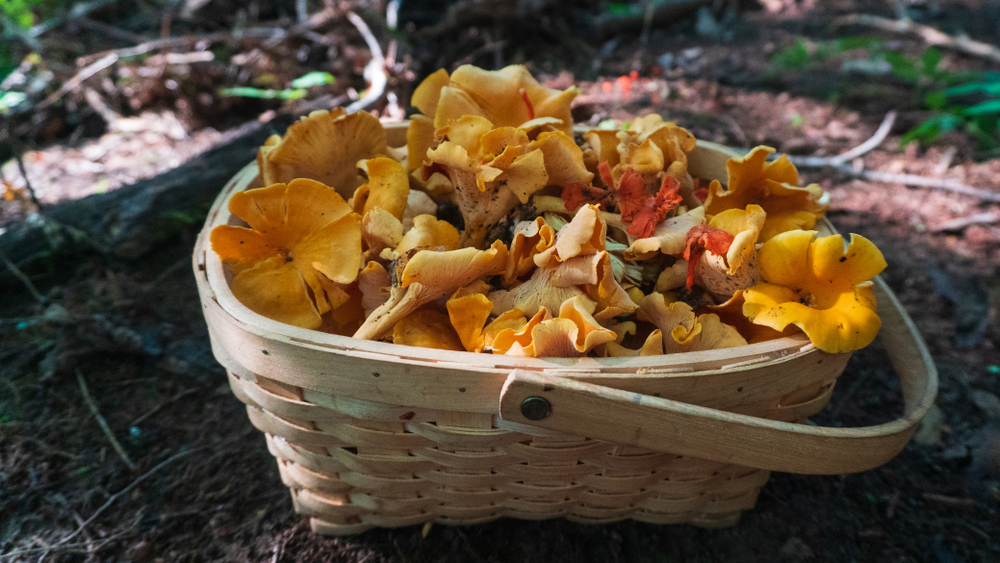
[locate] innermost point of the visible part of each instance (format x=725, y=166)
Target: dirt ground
x=202, y=487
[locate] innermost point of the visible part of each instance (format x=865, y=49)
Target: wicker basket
x=370, y=434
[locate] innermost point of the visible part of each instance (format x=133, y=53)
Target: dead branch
x=159, y=407
x=130, y=221
x=374, y=70
x=921, y=181
x=24, y=279
x=930, y=35
x=840, y=163
x=125, y=491
x=863, y=148
x=103, y=423
x=655, y=12
x=80, y=10
x=78, y=78
x=273, y=33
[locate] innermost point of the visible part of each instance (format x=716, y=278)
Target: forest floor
x=127, y=337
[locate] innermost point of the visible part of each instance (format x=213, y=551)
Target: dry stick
x=840, y=164
x=278, y=33
x=27, y=183
x=374, y=70
x=913, y=180
x=79, y=11
x=24, y=280
x=110, y=30
x=159, y=407
x=131, y=486
x=170, y=42
x=78, y=78
x=863, y=148
x=103, y=423
x=930, y=35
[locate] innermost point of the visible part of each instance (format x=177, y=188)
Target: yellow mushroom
x=819, y=286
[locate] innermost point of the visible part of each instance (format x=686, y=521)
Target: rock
x=931, y=427
x=795, y=549
x=986, y=402
x=193, y=357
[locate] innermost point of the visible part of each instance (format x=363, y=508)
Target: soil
x=205, y=488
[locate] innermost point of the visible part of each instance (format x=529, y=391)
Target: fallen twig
x=124, y=491
x=109, y=30
x=913, y=180
x=70, y=547
x=78, y=78
x=374, y=70
x=863, y=148
x=840, y=163
x=930, y=35
x=24, y=279
x=274, y=33
x=159, y=407
x=103, y=423
x=79, y=10
x=954, y=502
x=19, y=157
x=961, y=223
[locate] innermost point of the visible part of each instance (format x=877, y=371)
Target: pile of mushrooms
x=497, y=229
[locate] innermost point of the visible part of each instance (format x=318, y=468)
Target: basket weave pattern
x=354, y=464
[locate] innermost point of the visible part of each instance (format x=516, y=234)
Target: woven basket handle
x=664, y=425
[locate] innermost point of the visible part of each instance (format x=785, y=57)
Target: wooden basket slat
x=368, y=483
x=382, y=465
x=254, y=395
x=613, y=500
x=323, y=527
x=464, y=437
x=467, y=498
x=358, y=436
x=466, y=460
x=283, y=450
x=540, y=494
x=469, y=514
x=304, y=478
x=570, y=453
x=372, y=410
x=328, y=505
x=461, y=480
x=272, y=424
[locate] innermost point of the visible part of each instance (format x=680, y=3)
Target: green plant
x=968, y=101
x=16, y=18
x=972, y=105
x=298, y=90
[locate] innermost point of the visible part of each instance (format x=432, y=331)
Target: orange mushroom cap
x=772, y=186
x=324, y=146
x=298, y=232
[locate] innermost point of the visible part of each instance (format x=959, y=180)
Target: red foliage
x=654, y=209
x=605, y=171
x=576, y=195
x=700, y=239
x=631, y=194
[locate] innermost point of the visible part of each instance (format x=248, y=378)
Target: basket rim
x=211, y=279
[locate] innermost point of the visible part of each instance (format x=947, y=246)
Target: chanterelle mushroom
x=324, y=146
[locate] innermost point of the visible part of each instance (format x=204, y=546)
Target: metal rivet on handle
x=535, y=408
